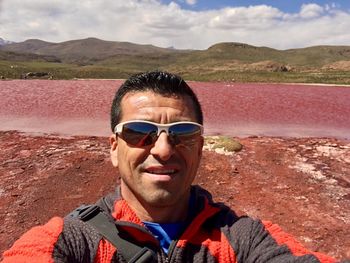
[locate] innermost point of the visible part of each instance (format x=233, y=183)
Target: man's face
x=160, y=174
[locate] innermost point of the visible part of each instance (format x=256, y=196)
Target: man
x=156, y=144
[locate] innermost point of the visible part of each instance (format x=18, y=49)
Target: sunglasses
x=142, y=133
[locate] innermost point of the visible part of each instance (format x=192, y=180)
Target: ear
x=113, y=140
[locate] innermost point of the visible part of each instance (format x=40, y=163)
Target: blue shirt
x=168, y=232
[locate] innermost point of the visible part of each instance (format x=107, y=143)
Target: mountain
x=84, y=50
x=90, y=51
x=96, y=58
x=4, y=42
x=240, y=52
x=15, y=56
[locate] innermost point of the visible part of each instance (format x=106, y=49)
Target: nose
x=162, y=148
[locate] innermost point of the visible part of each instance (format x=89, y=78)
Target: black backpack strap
x=132, y=252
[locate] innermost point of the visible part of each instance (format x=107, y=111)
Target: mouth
x=161, y=173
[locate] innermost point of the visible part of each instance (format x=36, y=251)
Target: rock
x=30, y=75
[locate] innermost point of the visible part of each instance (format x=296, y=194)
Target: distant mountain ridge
x=5, y=42
x=96, y=58
x=83, y=49
x=93, y=50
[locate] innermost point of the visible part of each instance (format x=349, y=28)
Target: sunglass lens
x=184, y=133
x=139, y=133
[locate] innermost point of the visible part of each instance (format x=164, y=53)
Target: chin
x=162, y=198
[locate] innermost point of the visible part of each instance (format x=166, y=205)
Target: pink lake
x=81, y=107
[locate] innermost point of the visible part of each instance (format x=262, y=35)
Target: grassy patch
x=222, y=144
x=122, y=68
x=335, y=77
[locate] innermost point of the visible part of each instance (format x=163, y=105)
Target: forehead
x=157, y=107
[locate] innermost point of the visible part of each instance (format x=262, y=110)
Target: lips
x=161, y=170
x=162, y=173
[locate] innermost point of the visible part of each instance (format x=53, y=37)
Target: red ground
x=302, y=184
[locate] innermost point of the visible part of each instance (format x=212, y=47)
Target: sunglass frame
x=161, y=127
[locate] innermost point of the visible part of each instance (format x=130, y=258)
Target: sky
x=182, y=24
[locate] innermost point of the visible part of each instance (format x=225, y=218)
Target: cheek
x=191, y=155
x=129, y=158
x=193, y=150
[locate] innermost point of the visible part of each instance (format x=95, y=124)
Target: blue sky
x=291, y=6
x=183, y=24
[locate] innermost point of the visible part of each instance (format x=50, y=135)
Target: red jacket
x=216, y=234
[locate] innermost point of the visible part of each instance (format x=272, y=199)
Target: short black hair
x=159, y=82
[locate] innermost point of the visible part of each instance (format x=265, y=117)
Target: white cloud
x=151, y=22
x=311, y=10
x=191, y=2
x=254, y=17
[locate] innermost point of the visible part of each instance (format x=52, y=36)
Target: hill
x=15, y=56
x=83, y=50
x=317, y=56
x=95, y=58
x=4, y=42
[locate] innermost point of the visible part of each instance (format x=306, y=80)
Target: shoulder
x=60, y=238
x=253, y=238
x=67, y=239
x=37, y=243
x=48, y=232
x=63, y=239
